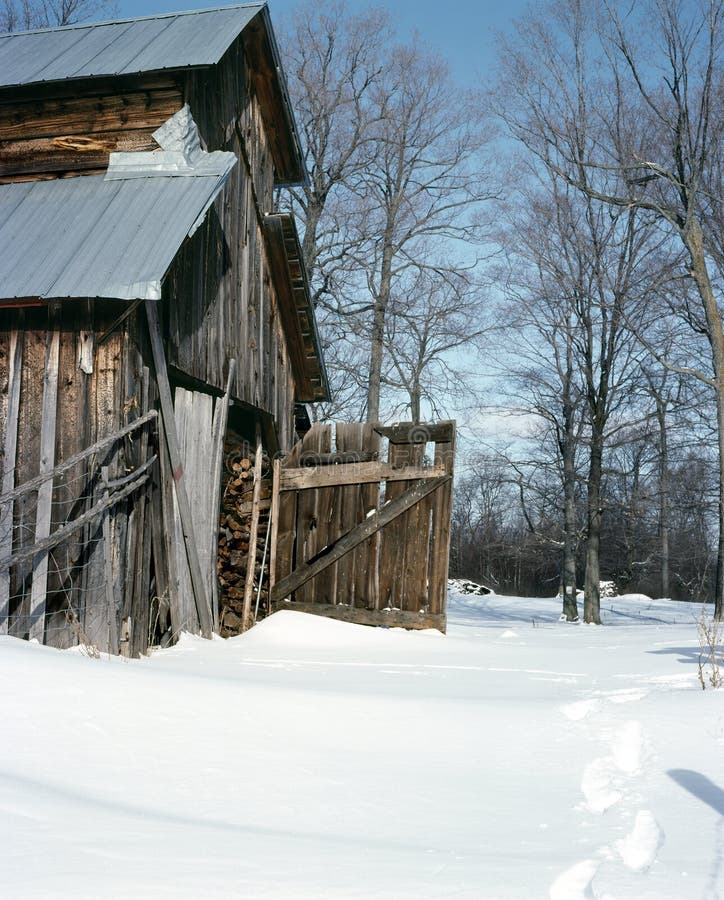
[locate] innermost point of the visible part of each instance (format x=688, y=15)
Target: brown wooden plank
x=128, y=111
x=348, y=513
x=392, y=540
x=324, y=588
x=416, y=530
x=367, y=575
x=385, y=618
x=388, y=513
x=308, y=532
x=246, y=620
x=300, y=479
x=440, y=542
x=15, y=365
x=45, y=493
x=69, y=152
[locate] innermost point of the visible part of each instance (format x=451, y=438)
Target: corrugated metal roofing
x=175, y=41
x=88, y=237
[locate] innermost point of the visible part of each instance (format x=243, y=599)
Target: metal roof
x=175, y=41
x=91, y=237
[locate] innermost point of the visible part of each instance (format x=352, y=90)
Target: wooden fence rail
x=362, y=539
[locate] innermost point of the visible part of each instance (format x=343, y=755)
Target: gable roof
x=126, y=47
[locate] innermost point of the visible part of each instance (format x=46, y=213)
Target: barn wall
x=90, y=405
x=219, y=298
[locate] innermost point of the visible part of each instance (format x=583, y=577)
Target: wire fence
x=67, y=545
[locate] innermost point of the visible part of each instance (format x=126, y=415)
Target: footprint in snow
x=640, y=848
x=575, y=883
x=596, y=785
x=628, y=748
x=579, y=710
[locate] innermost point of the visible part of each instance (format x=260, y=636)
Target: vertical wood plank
x=367, y=566
x=164, y=389
x=246, y=620
x=219, y=426
x=440, y=542
x=307, y=514
x=45, y=493
x=15, y=365
x=392, y=537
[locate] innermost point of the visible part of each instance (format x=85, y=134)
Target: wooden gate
x=361, y=539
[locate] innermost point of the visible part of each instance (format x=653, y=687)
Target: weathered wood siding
x=219, y=297
x=98, y=392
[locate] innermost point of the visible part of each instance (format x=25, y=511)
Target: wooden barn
x=156, y=331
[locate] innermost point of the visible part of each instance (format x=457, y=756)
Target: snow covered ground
x=516, y=757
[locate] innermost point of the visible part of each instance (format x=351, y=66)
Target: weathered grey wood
x=15, y=353
x=386, y=618
x=48, y=417
x=300, y=479
x=274, y=519
x=114, y=646
x=440, y=543
x=164, y=389
x=246, y=621
x=221, y=418
x=34, y=483
x=62, y=533
x=417, y=432
x=338, y=458
x=353, y=538
x=139, y=600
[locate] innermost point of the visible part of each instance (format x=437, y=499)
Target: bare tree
x=635, y=129
x=421, y=191
x=24, y=15
x=433, y=330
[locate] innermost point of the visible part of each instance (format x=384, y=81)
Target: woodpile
x=235, y=525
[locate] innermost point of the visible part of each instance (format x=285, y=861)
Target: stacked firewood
x=234, y=547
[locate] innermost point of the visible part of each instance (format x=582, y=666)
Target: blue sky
x=463, y=32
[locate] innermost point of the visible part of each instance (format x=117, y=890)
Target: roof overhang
x=296, y=309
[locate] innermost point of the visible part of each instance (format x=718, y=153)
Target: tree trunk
x=378, y=331
x=592, y=587
x=663, y=496
x=693, y=238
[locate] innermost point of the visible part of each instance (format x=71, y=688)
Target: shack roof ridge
x=168, y=15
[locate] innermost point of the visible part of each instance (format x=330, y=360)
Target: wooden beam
x=48, y=417
x=169, y=421
x=253, y=534
x=300, y=479
x=9, y=461
x=311, y=460
x=387, y=618
x=274, y=520
x=220, y=423
x=67, y=153
x=353, y=538
x=417, y=433
x=131, y=110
